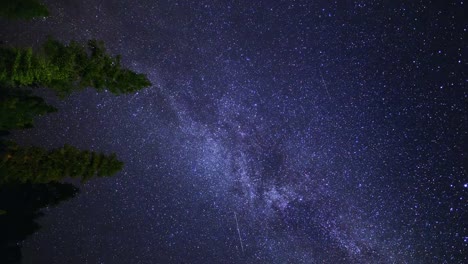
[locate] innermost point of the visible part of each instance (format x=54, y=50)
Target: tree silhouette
x=18, y=109
x=21, y=205
x=30, y=177
x=37, y=165
x=22, y=9
x=67, y=68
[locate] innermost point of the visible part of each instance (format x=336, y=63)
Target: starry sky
x=275, y=132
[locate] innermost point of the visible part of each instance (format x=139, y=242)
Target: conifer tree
x=22, y=9
x=37, y=165
x=22, y=204
x=67, y=68
x=18, y=109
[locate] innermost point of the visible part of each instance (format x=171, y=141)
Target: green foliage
x=67, y=68
x=22, y=9
x=18, y=109
x=30, y=177
x=37, y=165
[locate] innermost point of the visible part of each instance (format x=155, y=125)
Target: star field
x=275, y=132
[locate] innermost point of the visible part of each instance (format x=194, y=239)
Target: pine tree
x=37, y=165
x=18, y=109
x=22, y=9
x=21, y=204
x=67, y=68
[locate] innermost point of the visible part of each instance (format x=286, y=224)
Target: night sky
x=275, y=132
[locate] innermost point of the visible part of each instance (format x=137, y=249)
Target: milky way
x=276, y=132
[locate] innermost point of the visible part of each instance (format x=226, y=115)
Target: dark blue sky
x=334, y=131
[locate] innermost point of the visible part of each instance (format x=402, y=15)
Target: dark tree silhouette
x=19, y=108
x=21, y=206
x=30, y=177
x=67, y=68
x=22, y=9
x=37, y=165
